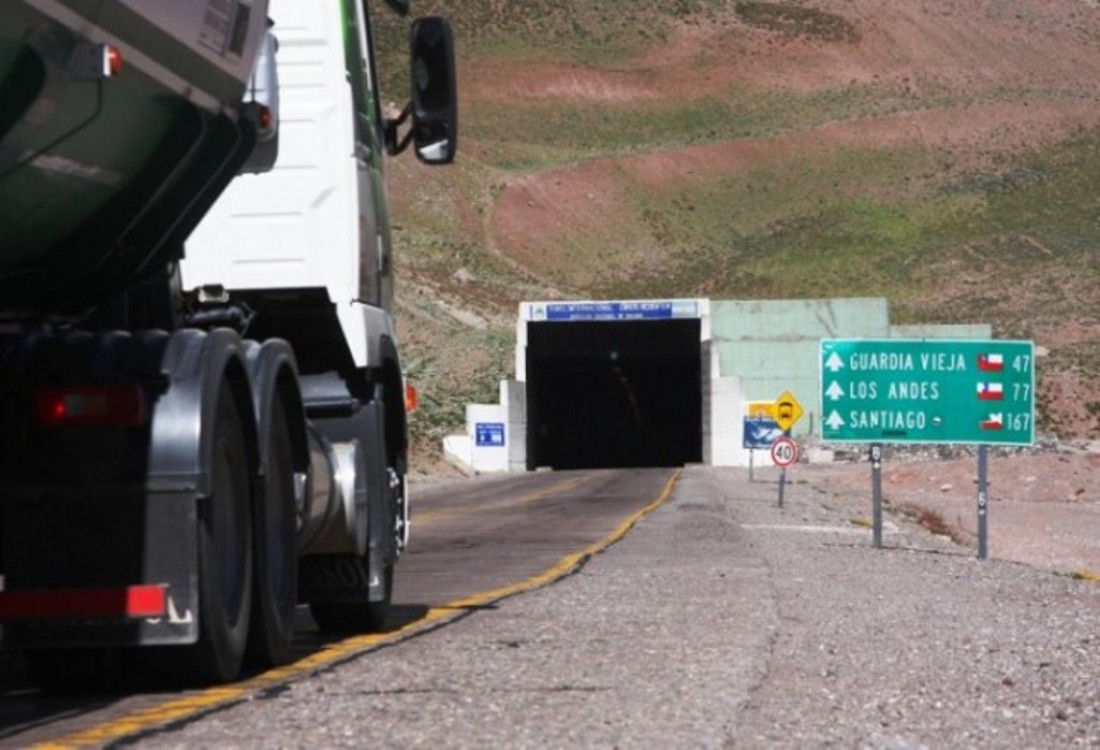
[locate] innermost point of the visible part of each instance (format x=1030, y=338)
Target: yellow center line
x=569, y=562
x=181, y=708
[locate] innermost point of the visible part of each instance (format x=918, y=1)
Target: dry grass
x=940, y=156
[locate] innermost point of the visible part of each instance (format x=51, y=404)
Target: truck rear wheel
x=275, y=590
x=225, y=557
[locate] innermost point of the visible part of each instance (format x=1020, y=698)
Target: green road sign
x=928, y=391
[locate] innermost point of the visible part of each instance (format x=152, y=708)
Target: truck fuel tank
x=333, y=515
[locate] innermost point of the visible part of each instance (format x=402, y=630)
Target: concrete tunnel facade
x=599, y=384
x=623, y=383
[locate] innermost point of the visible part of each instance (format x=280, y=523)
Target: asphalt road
x=718, y=619
x=473, y=542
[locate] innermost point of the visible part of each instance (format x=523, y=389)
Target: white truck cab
x=319, y=219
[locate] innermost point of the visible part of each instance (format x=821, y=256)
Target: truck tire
x=275, y=585
x=225, y=557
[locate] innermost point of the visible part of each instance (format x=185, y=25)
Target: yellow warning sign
x=760, y=410
x=787, y=410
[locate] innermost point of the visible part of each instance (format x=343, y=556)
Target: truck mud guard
x=100, y=523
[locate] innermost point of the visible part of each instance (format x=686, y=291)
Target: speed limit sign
x=784, y=452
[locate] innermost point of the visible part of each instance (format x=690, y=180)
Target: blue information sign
x=760, y=433
x=489, y=434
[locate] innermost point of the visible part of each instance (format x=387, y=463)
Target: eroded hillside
x=943, y=154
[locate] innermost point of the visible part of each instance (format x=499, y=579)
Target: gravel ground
x=724, y=621
x=918, y=644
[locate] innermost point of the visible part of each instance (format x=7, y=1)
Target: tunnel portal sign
x=928, y=391
x=636, y=310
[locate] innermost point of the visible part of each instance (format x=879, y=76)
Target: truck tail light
x=93, y=61
x=131, y=602
x=92, y=406
x=112, y=60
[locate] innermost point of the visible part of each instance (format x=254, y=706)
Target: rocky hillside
x=943, y=154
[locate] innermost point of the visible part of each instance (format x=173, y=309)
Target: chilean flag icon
x=993, y=422
x=991, y=391
x=991, y=362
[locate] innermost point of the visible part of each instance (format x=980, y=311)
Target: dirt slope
x=978, y=84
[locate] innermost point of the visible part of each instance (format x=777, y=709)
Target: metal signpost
x=784, y=453
x=760, y=429
x=768, y=425
x=876, y=495
x=983, y=499
x=929, y=391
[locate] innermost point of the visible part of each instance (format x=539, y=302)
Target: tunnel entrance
x=609, y=394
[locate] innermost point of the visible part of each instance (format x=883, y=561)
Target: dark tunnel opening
x=609, y=394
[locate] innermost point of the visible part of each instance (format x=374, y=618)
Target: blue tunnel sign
x=489, y=434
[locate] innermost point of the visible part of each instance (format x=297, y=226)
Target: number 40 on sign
x=784, y=452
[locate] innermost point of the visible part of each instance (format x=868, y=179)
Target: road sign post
x=983, y=502
x=760, y=429
x=876, y=495
x=784, y=452
x=928, y=391
x=767, y=422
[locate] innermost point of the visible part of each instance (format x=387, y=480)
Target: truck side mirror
x=434, y=91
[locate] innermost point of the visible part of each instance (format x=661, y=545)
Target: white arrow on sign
x=834, y=362
x=835, y=422
x=835, y=391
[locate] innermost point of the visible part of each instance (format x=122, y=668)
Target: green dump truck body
x=117, y=130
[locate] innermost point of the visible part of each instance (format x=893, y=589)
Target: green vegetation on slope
x=532, y=135
x=594, y=32
x=962, y=234
x=874, y=222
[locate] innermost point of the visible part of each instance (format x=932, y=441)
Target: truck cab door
x=375, y=277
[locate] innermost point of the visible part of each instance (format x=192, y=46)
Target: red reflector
x=91, y=406
x=412, y=398
x=134, y=602
x=266, y=118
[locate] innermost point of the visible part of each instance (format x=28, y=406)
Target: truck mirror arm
x=394, y=145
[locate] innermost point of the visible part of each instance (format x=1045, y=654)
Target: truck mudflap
x=99, y=521
x=103, y=597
